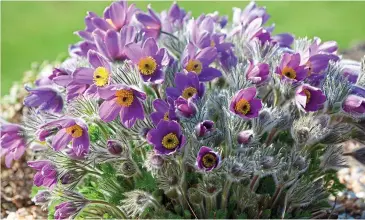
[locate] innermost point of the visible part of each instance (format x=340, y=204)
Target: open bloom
x=166, y=138
x=257, y=73
x=44, y=98
x=12, y=143
x=164, y=111
x=151, y=23
x=354, y=104
x=149, y=60
x=122, y=100
x=309, y=98
x=204, y=128
x=249, y=13
x=244, y=103
x=70, y=130
x=290, y=68
x=207, y=159
x=46, y=173
x=198, y=62
x=187, y=86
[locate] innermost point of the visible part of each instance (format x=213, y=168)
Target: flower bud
x=143, y=132
x=128, y=168
x=65, y=210
x=186, y=108
x=267, y=162
x=42, y=197
x=194, y=196
x=156, y=161
x=114, y=147
x=300, y=163
x=68, y=178
x=204, y=128
x=245, y=137
x=302, y=135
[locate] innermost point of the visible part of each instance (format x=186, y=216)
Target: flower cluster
x=162, y=115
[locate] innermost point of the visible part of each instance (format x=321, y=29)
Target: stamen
x=243, y=106
x=147, y=65
x=101, y=76
x=308, y=94
x=124, y=97
x=75, y=131
x=189, y=92
x=289, y=72
x=209, y=160
x=170, y=141
x=194, y=66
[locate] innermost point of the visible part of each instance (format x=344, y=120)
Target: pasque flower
x=70, y=130
x=290, y=68
x=149, y=60
x=12, y=142
x=244, y=103
x=46, y=173
x=257, y=73
x=198, y=61
x=164, y=111
x=207, y=159
x=204, y=128
x=44, y=98
x=166, y=138
x=245, y=137
x=65, y=210
x=122, y=100
x=309, y=98
x=354, y=104
x=151, y=23
x=187, y=86
x=186, y=107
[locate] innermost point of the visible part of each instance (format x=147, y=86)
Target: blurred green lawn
x=36, y=31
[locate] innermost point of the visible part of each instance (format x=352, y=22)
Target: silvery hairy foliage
x=163, y=115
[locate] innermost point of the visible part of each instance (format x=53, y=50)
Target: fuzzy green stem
x=276, y=195
x=169, y=34
x=225, y=193
x=276, y=97
x=115, y=208
x=254, y=183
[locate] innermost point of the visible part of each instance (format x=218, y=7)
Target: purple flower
x=122, y=100
x=245, y=137
x=149, y=60
x=187, y=86
x=244, y=104
x=207, y=159
x=204, y=128
x=112, y=45
x=164, y=111
x=290, y=68
x=199, y=61
x=65, y=210
x=166, y=138
x=186, y=108
x=46, y=173
x=151, y=23
x=309, y=98
x=12, y=142
x=114, y=147
x=119, y=14
x=318, y=63
x=354, y=104
x=250, y=13
x=81, y=48
x=42, y=197
x=70, y=130
x=257, y=73
x=45, y=98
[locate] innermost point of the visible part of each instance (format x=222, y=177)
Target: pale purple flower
x=309, y=98
x=151, y=23
x=257, y=73
x=244, y=103
x=44, y=98
x=186, y=108
x=290, y=68
x=204, y=128
x=187, y=86
x=164, y=111
x=207, y=159
x=354, y=104
x=245, y=137
x=46, y=173
x=12, y=142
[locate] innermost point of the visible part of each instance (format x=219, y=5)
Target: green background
x=36, y=31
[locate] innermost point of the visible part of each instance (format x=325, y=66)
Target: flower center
x=194, y=66
x=189, y=92
x=209, y=160
x=170, y=141
x=212, y=43
x=166, y=116
x=242, y=106
x=101, y=76
x=289, y=72
x=75, y=131
x=147, y=65
x=124, y=97
x=308, y=94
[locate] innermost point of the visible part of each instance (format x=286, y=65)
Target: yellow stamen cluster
x=308, y=94
x=194, y=66
x=209, y=160
x=75, y=131
x=147, y=65
x=170, y=141
x=124, y=97
x=111, y=23
x=289, y=72
x=166, y=116
x=101, y=76
x=189, y=92
x=243, y=106
x=212, y=43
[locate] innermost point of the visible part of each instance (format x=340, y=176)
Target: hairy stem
x=113, y=207
x=225, y=193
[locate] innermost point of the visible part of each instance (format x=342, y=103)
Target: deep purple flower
x=227, y=60
x=122, y=100
x=81, y=48
x=164, y=111
x=166, y=138
x=199, y=61
x=12, y=142
x=204, y=128
x=46, y=173
x=44, y=98
x=187, y=86
x=317, y=63
x=149, y=60
x=245, y=104
x=283, y=39
x=257, y=73
x=70, y=130
x=186, y=108
x=245, y=137
x=119, y=14
x=207, y=159
x=176, y=15
x=68, y=177
x=309, y=98
x=65, y=210
x=351, y=73
x=290, y=68
x=42, y=197
x=114, y=147
x=151, y=23
x=354, y=104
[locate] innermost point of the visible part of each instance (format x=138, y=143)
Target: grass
x=36, y=31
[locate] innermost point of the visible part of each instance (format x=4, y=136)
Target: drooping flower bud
x=186, y=108
x=204, y=128
x=267, y=162
x=41, y=197
x=68, y=177
x=128, y=168
x=114, y=147
x=245, y=137
x=156, y=161
x=65, y=210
